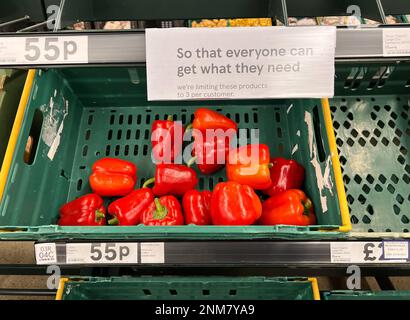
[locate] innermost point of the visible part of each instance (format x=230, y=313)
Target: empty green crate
x=371, y=119
x=366, y=295
x=188, y=288
x=81, y=115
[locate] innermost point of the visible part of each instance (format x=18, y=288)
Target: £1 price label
x=356, y=252
x=106, y=253
x=43, y=50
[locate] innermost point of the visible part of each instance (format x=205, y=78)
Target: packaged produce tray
x=81, y=115
x=371, y=118
x=366, y=295
x=186, y=288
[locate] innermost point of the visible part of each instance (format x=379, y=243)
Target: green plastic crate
x=188, y=288
x=11, y=86
x=366, y=295
x=371, y=118
x=104, y=112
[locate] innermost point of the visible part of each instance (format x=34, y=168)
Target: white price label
x=396, y=42
x=152, y=252
x=46, y=253
x=43, y=50
x=359, y=252
x=106, y=253
x=396, y=250
x=240, y=63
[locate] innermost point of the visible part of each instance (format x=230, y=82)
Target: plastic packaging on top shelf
x=117, y=25
x=221, y=23
x=210, y=23
x=339, y=21
x=79, y=26
x=262, y=22
x=392, y=20
x=302, y=22
x=371, y=22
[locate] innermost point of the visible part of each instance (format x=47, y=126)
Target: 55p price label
x=43, y=50
x=101, y=253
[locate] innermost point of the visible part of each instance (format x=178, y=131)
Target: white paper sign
x=359, y=252
x=36, y=50
x=396, y=42
x=106, y=253
x=46, y=253
x=152, y=252
x=240, y=63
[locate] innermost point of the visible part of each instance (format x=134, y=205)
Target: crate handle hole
x=33, y=138
x=173, y=292
x=318, y=136
x=232, y=292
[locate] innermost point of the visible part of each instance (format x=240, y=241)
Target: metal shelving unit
x=127, y=48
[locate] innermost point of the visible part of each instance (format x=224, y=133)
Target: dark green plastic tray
x=187, y=288
x=108, y=115
x=371, y=118
x=366, y=295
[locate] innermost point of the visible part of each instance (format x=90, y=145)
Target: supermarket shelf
x=79, y=10
x=128, y=47
x=268, y=258
x=299, y=254
x=28, y=292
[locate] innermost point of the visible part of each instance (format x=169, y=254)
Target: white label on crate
x=359, y=252
x=46, y=253
x=43, y=50
x=89, y=253
x=396, y=250
x=396, y=42
x=152, y=252
x=240, y=63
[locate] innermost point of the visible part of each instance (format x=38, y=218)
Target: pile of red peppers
x=173, y=199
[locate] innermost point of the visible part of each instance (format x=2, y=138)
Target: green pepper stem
x=99, y=215
x=170, y=118
x=114, y=221
x=191, y=161
x=189, y=127
x=148, y=182
x=161, y=211
x=308, y=206
x=270, y=165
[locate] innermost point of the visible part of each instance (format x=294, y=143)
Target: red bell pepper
x=285, y=174
x=164, y=211
x=167, y=139
x=112, y=177
x=234, y=204
x=290, y=207
x=197, y=207
x=209, y=119
x=206, y=148
x=127, y=211
x=87, y=210
x=250, y=165
x=172, y=179
x=210, y=156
